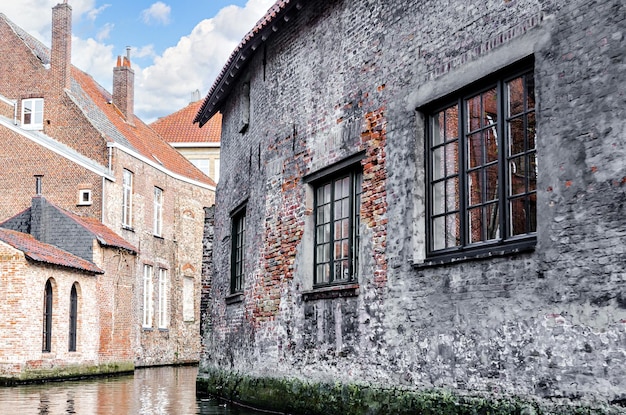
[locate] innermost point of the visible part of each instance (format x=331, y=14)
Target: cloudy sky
x=177, y=46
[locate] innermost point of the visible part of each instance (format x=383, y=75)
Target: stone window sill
x=333, y=291
x=234, y=298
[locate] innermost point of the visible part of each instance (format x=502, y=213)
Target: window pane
x=530, y=91
x=490, y=107
x=474, y=187
x=453, y=230
x=439, y=233
x=475, y=150
x=492, y=182
x=473, y=113
x=438, y=128
x=491, y=145
x=452, y=158
x=515, y=92
x=475, y=225
x=518, y=216
x=532, y=171
x=492, y=217
x=517, y=176
x=438, y=198
x=438, y=164
x=452, y=123
x=452, y=194
x=516, y=136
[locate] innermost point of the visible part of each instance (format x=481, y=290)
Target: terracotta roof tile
x=179, y=127
x=42, y=252
x=95, y=102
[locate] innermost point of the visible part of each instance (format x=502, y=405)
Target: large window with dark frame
x=337, y=218
x=482, y=172
x=238, y=250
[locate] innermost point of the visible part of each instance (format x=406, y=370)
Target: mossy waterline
x=298, y=397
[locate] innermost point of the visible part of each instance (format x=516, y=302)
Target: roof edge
x=277, y=15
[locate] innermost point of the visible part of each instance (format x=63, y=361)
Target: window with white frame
x=127, y=199
x=188, y=299
x=158, y=212
x=162, y=314
x=32, y=113
x=147, y=296
x=84, y=197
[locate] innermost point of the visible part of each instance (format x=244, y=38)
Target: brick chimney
x=61, y=54
x=124, y=86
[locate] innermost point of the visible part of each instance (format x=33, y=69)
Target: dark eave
x=275, y=18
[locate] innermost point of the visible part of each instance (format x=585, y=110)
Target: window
x=201, y=164
x=84, y=197
x=337, y=219
x=127, y=199
x=162, y=310
x=147, y=296
x=32, y=113
x=238, y=247
x=47, y=318
x=73, y=319
x=483, y=168
x=188, y=299
x=158, y=211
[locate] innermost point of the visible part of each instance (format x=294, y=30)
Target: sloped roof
x=42, y=252
x=180, y=128
x=104, y=235
x=95, y=102
x=270, y=23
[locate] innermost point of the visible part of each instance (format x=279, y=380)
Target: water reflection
x=162, y=391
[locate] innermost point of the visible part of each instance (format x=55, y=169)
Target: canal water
x=158, y=391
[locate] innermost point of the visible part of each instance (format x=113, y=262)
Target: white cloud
x=164, y=86
x=158, y=12
x=104, y=31
x=195, y=61
x=93, y=13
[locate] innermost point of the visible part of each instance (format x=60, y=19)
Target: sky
x=177, y=46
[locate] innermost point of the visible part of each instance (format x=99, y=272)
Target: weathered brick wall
x=179, y=251
x=22, y=284
x=344, y=76
x=61, y=182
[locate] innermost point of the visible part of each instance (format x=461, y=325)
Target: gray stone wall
x=342, y=77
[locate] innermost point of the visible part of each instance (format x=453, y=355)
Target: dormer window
x=32, y=113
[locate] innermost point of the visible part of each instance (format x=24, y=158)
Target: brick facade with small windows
x=530, y=306
x=88, y=138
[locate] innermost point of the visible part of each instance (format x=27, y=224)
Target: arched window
x=73, y=319
x=47, y=318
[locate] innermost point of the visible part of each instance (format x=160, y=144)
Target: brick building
x=99, y=161
x=201, y=146
x=421, y=196
x=87, y=272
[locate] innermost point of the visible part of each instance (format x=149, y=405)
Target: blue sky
x=177, y=46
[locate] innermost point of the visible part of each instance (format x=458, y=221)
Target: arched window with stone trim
x=73, y=326
x=47, y=318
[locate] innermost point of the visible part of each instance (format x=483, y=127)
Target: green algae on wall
x=68, y=373
x=294, y=396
